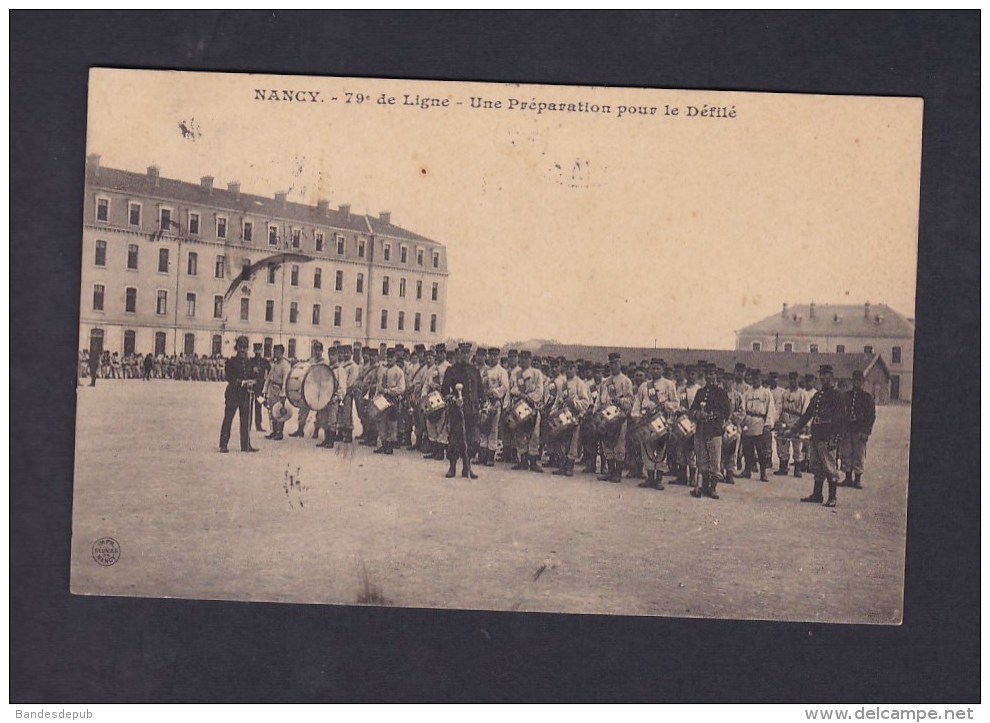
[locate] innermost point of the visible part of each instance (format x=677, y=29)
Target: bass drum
x=310, y=385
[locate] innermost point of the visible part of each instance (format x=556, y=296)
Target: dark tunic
x=826, y=415
x=463, y=421
x=711, y=410
x=861, y=411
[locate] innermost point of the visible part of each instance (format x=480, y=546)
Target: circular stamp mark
x=106, y=551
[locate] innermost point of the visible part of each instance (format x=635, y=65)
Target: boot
x=832, y=485
x=816, y=495
x=682, y=478
x=650, y=480
x=763, y=474
x=490, y=458
x=693, y=476
x=389, y=446
x=782, y=470
x=747, y=473
x=607, y=468
x=348, y=435
x=452, y=471
x=298, y=433
x=523, y=462
x=381, y=450
x=729, y=479
x=467, y=472
x=328, y=440
x=848, y=481
x=428, y=449
x=316, y=432
x=441, y=452
x=657, y=480
x=569, y=468
x=858, y=481
x=713, y=486
x=534, y=465
x=797, y=470
x=700, y=492
x=616, y=476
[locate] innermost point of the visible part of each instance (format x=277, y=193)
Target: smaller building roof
x=869, y=321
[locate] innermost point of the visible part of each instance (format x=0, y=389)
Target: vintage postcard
x=505, y=347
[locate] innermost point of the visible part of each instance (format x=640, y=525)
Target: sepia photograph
x=480, y=346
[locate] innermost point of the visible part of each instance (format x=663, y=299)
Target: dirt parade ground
x=301, y=524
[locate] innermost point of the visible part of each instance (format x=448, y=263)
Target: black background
x=75, y=649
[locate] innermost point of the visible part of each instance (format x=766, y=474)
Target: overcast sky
x=582, y=227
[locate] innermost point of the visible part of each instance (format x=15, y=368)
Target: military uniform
x=617, y=390
x=495, y=382
x=793, y=403
x=316, y=358
x=259, y=369
x=464, y=406
x=527, y=383
x=826, y=415
x=437, y=423
x=710, y=410
x=761, y=415
x=654, y=395
x=861, y=414
x=392, y=385
x=274, y=391
x=574, y=396
x=237, y=398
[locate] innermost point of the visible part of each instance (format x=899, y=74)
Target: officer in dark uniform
x=237, y=396
x=462, y=389
x=259, y=371
x=861, y=413
x=827, y=416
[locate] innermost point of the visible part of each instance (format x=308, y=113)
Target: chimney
x=235, y=188
x=323, y=206
x=385, y=217
x=836, y=318
x=93, y=163
x=280, y=198
x=783, y=314
x=811, y=310
x=153, y=174
x=345, y=209
x=206, y=182
x=866, y=310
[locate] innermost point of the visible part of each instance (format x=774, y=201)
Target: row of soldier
x=182, y=367
x=480, y=407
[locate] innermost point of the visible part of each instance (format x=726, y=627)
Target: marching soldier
x=616, y=390
x=527, y=383
x=274, y=389
x=793, y=402
x=656, y=395
x=825, y=413
x=760, y=417
x=462, y=388
x=495, y=381
x=710, y=410
x=861, y=413
x=392, y=385
x=575, y=397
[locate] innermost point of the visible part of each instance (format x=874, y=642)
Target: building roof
x=859, y=320
x=197, y=194
x=766, y=361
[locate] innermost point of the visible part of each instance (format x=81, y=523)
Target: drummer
x=274, y=389
x=658, y=395
x=527, y=385
x=326, y=418
x=575, y=397
x=495, y=382
x=315, y=358
x=436, y=424
x=616, y=390
x=737, y=412
x=392, y=386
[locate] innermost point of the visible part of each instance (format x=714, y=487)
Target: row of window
x=193, y=225
x=895, y=352
x=161, y=308
x=220, y=271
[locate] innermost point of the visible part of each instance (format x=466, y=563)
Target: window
x=419, y=289
x=129, y=342
x=384, y=318
x=98, y=291
x=270, y=310
x=217, y=307
x=402, y=288
x=338, y=283
x=246, y=269
x=193, y=223
x=293, y=312
x=130, y=300
x=895, y=355
x=813, y=348
x=358, y=317
x=218, y=267
x=101, y=253
x=404, y=254
x=294, y=275
x=340, y=245
x=189, y=345
x=190, y=304
x=316, y=314
x=247, y=231
x=387, y=252
x=102, y=209
x=419, y=257
x=134, y=214
x=318, y=278
x=159, y=343
x=164, y=219
x=360, y=248
x=192, y=263
x=402, y=321
x=384, y=286
x=271, y=273
x=360, y=283
x=272, y=235
x=338, y=313
x=416, y=321
x=161, y=305
x=296, y=238
x=216, y=344
x=290, y=349
x=268, y=346
x=788, y=346
x=163, y=261
x=757, y=346
x=435, y=293
x=433, y=323
x=221, y=227
x=840, y=348
x=895, y=387
x=245, y=309
x=436, y=259
x=319, y=240
x=132, y=256
x=868, y=349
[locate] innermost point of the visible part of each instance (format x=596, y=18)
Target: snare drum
x=608, y=417
x=652, y=429
x=522, y=411
x=433, y=403
x=683, y=428
x=310, y=385
x=730, y=433
x=379, y=405
x=563, y=421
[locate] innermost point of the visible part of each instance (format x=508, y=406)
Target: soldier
x=617, y=390
x=575, y=397
x=237, y=397
x=392, y=385
x=653, y=396
x=352, y=374
x=495, y=382
x=415, y=383
x=590, y=440
x=710, y=410
x=368, y=380
x=315, y=358
x=462, y=388
x=861, y=414
x=327, y=418
x=274, y=389
x=684, y=452
x=825, y=413
x=437, y=425
x=552, y=384
x=259, y=370
x=429, y=372
x=809, y=393
x=527, y=383
x=507, y=434
x=793, y=402
x=760, y=417
x=737, y=413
